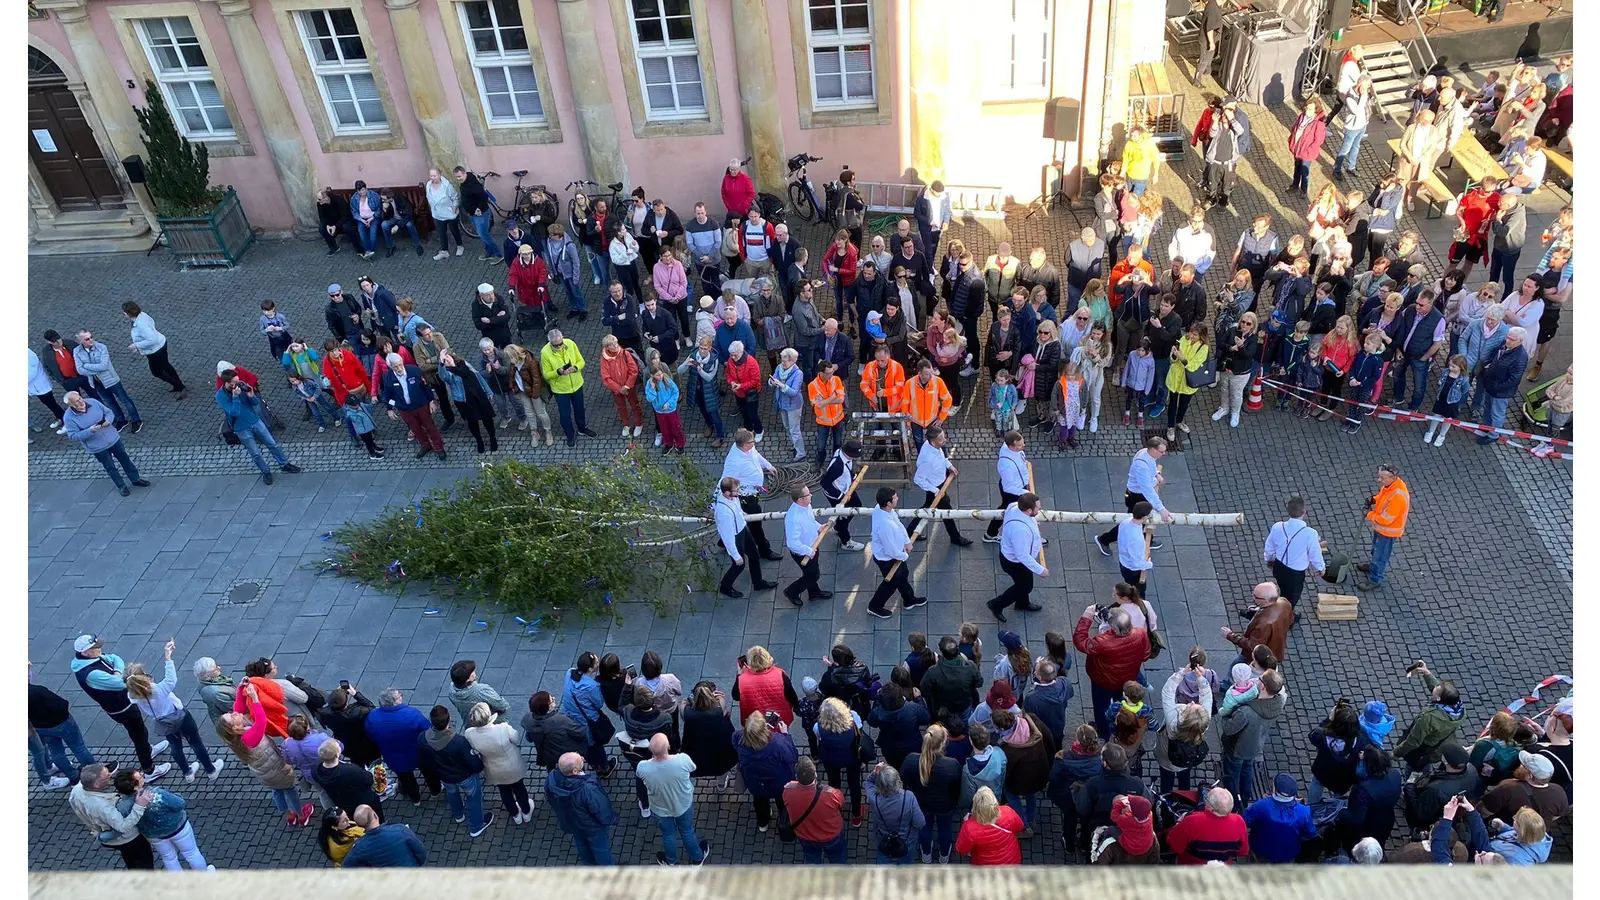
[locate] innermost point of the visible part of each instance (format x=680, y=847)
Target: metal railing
x=895, y=198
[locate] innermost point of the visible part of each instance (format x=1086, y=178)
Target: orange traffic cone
x=1255, y=402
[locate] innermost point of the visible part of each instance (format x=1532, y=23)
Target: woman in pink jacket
x=1305, y=144
x=672, y=287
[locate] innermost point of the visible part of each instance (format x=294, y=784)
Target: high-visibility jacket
x=894, y=378
x=1390, y=507
x=832, y=389
x=927, y=403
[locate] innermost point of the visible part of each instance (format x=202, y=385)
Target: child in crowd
x=971, y=646
x=1067, y=402
x=810, y=711
x=1307, y=377
x=957, y=746
x=1189, y=687
x=1365, y=374
x=1452, y=390
x=275, y=328
x=662, y=392
x=920, y=658
x=1138, y=376
x=1290, y=352
x=1133, y=697
x=1003, y=402
x=1246, y=686
x=358, y=415
x=321, y=407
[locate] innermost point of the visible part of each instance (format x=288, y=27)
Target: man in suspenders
x=1013, y=468
x=745, y=465
x=1020, y=547
x=932, y=467
x=891, y=544
x=1293, y=549
x=800, y=530
x=836, y=479
x=737, y=540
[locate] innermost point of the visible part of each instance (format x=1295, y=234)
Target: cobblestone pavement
x=160, y=564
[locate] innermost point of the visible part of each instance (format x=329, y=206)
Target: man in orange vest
x=826, y=392
x=927, y=401
x=883, y=382
x=1386, y=513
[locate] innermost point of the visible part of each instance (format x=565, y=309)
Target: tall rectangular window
x=498, y=47
x=839, y=34
x=1017, y=62
x=343, y=72
x=184, y=77
x=669, y=59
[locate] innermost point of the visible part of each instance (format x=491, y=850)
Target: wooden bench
x=413, y=192
x=1475, y=161
x=1556, y=161
x=1432, y=189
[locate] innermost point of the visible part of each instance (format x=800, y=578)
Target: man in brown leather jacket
x=1270, y=625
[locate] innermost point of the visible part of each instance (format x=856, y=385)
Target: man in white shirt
x=736, y=539
x=891, y=544
x=1194, y=243
x=836, y=479
x=932, y=468
x=1013, y=468
x=746, y=464
x=1144, y=483
x=1131, y=558
x=1293, y=549
x=1020, y=547
x=800, y=530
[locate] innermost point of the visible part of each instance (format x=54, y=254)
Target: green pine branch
x=177, y=171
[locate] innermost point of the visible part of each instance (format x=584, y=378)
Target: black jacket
x=917, y=267
x=474, y=198
x=872, y=296
x=671, y=228
x=1094, y=800
x=708, y=740
x=1164, y=338
x=899, y=729
x=452, y=759
x=1424, y=802
x=46, y=708
x=398, y=207
x=335, y=213
x=548, y=215
x=782, y=256
x=1191, y=302
x=1028, y=276
x=1003, y=339
x=498, y=328
x=349, y=727
x=843, y=350
x=845, y=682
x=344, y=318
x=967, y=298
x=348, y=786
x=554, y=734
x=951, y=685
x=943, y=789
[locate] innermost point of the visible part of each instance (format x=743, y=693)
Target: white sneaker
x=160, y=770
x=459, y=249
x=321, y=429
x=644, y=811
x=159, y=749
x=927, y=858
x=1427, y=436
x=626, y=431
x=57, y=782
x=216, y=768
x=1233, y=421
x=658, y=440
x=954, y=410
x=852, y=546
x=442, y=254
x=62, y=430
x=1217, y=416
x=194, y=769
x=1438, y=439
x=1094, y=425
x=638, y=430
x=760, y=435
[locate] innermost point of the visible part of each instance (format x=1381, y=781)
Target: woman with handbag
x=1193, y=368
x=581, y=699
x=989, y=834
x=842, y=745
x=767, y=758
x=896, y=816
x=173, y=723
x=1181, y=742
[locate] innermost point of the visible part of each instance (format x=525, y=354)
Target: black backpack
x=1185, y=755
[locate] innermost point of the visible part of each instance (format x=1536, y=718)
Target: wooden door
x=63, y=148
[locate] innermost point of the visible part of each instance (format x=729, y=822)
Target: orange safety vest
x=927, y=403
x=894, y=377
x=1390, y=508
x=832, y=389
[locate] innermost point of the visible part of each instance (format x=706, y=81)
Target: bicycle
x=613, y=199
x=802, y=195
x=521, y=209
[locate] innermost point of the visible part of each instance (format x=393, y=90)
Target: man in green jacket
x=1432, y=727
x=952, y=684
x=562, y=364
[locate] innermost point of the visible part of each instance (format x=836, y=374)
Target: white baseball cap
x=84, y=642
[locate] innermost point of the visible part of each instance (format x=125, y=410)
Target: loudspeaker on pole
x=1061, y=118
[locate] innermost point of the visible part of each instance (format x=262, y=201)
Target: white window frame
x=1028, y=29
x=836, y=41
x=668, y=49
x=184, y=78
x=505, y=60
x=321, y=70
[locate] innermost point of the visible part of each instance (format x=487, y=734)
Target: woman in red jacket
x=839, y=263
x=989, y=833
x=1305, y=143
x=386, y=346
x=529, y=278
x=345, y=373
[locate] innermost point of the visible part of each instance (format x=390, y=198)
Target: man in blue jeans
x=52, y=732
x=242, y=406
x=459, y=768
x=91, y=424
x=667, y=781
x=94, y=362
x=1245, y=730
x=582, y=809
x=1421, y=338
x=475, y=200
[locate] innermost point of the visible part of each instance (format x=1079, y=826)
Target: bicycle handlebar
x=491, y=174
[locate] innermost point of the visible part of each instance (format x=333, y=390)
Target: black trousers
x=746, y=546
x=1021, y=586
x=162, y=368
x=413, y=791
x=1214, y=180
x=137, y=853
x=944, y=503
x=1130, y=499
x=442, y=394
x=900, y=582
x=133, y=721
x=841, y=525
x=807, y=584
x=444, y=227
x=332, y=240
x=49, y=401
x=752, y=505
x=1291, y=582
x=1129, y=576
x=1005, y=501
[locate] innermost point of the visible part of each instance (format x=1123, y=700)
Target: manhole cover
x=244, y=593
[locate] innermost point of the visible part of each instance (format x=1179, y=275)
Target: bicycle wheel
x=800, y=202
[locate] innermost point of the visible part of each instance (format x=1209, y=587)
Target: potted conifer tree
x=202, y=225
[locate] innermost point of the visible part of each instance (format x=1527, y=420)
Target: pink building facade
x=292, y=95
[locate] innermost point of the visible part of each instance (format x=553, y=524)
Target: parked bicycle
x=521, y=209
x=589, y=189
x=802, y=195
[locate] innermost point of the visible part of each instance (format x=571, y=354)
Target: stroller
x=1536, y=412
x=1168, y=809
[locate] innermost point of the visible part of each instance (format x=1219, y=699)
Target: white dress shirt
x=1295, y=544
x=932, y=467
x=1142, y=479
x=847, y=474
x=1013, y=468
x=750, y=468
x=800, y=529
x=889, y=537
x=730, y=521
x=1130, y=546
x=1019, y=539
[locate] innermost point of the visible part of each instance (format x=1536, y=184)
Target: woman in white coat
x=501, y=748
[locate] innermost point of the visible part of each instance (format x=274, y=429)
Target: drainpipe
x=1113, y=70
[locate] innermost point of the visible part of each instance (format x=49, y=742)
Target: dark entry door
x=63, y=148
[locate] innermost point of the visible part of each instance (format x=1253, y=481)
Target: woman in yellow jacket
x=1188, y=356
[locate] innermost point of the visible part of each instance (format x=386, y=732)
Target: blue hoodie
x=1377, y=732
x=394, y=729
x=579, y=803
x=581, y=699
x=1277, y=828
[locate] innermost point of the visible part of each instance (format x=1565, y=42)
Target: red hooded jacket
x=345, y=375
x=1310, y=144
x=529, y=281
x=1111, y=660
x=744, y=376
x=992, y=845
x=738, y=193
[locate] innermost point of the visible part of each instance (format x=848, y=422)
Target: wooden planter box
x=219, y=239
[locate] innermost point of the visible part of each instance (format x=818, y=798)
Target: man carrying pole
x=934, y=468
x=1014, y=480
x=802, y=534
x=737, y=540
x=1133, y=546
x=838, y=483
x=1144, y=484
x=891, y=547
x=1021, y=555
